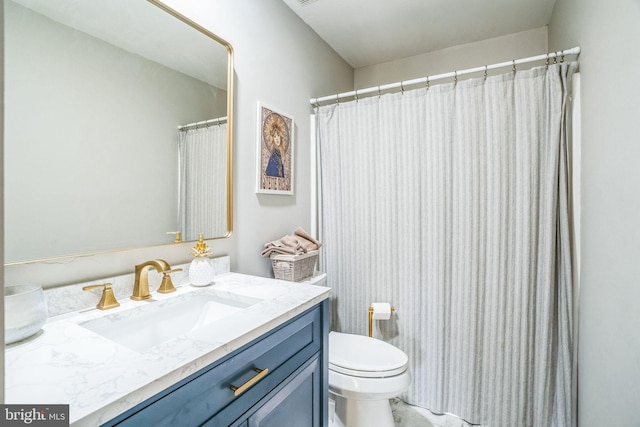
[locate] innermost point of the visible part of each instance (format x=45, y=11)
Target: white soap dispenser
x=201, y=271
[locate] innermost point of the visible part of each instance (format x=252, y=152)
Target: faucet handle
x=108, y=299
x=178, y=235
x=166, y=286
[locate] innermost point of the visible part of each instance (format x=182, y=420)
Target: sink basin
x=156, y=322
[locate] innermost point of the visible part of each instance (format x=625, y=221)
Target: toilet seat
x=365, y=357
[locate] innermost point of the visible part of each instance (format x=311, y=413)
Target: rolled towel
x=279, y=250
x=308, y=242
x=276, y=243
x=292, y=242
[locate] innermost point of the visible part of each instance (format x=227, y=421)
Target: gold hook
x=513, y=67
x=455, y=77
x=402, y=87
x=485, y=72
x=356, y=95
x=428, y=84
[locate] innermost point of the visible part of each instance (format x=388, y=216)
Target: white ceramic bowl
x=25, y=312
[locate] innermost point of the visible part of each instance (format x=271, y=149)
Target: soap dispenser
x=201, y=271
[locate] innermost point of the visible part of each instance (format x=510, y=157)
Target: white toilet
x=364, y=373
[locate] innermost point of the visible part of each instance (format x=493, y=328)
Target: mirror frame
x=229, y=159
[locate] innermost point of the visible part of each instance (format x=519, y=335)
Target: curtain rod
x=217, y=121
x=454, y=74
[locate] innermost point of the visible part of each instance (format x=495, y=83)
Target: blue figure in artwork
x=275, y=132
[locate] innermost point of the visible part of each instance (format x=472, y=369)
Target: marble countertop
x=66, y=363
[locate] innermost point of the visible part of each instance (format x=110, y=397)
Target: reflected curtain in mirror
x=203, y=201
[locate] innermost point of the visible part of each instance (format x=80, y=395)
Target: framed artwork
x=275, y=151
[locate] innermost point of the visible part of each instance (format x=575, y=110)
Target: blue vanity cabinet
x=294, y=387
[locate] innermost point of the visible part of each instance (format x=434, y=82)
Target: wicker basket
x=294, y=268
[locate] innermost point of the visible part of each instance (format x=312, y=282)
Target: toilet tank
x=318, y=279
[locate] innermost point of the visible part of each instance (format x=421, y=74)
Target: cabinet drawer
x=296, y=402
x=204, y=394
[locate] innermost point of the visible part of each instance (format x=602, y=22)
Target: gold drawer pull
x=237, y=391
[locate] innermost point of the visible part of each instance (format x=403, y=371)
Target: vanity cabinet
x=278, y=379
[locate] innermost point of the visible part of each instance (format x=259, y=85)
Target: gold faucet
x=141, y=284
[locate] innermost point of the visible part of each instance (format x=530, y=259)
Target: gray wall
x=609, y=337
x=470, y=55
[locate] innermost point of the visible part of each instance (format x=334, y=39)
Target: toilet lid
x=362, y=356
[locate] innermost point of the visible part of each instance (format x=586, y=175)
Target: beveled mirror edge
x=230, y=121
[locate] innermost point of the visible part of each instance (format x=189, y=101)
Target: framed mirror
x=95, y=93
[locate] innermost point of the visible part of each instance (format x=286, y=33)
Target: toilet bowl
x=364, y=373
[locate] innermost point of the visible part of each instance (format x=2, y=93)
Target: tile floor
x=406, y=415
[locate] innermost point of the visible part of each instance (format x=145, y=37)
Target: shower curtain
x=203, y=191
x=450, y=202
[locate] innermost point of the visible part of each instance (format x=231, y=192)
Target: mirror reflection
x=94, y=95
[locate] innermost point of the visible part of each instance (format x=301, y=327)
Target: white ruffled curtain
x=203, y=188
x=450, y=202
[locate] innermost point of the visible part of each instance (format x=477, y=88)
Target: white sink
x=156, y=322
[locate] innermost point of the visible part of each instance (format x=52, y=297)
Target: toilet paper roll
x=381, y=310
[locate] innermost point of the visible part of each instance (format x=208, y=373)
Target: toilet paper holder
x=371, y=320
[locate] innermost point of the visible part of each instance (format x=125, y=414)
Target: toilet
x=364, y=373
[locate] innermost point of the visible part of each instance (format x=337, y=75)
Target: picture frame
x=275, y=151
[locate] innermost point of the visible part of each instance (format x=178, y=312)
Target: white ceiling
x=367, y=32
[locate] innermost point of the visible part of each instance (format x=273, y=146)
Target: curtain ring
x=378, y=91
x=561, y=57
x=356, y=95
x=428, y=84
x=513, y=67
x=485, y=72
x=547, y=61
x=402, y=87
x=455, y=77
x=555, y=58
x=337, y=99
